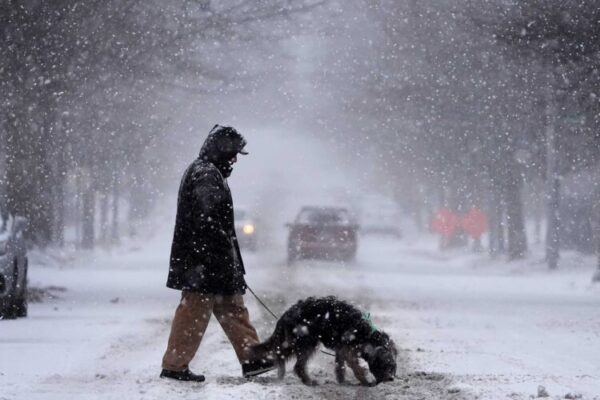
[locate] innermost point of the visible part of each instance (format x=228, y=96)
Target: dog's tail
x=271, y=348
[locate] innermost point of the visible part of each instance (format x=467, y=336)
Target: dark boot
x=256, y=367
x=185, y=375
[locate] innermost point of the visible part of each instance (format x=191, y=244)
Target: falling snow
x=460, y=137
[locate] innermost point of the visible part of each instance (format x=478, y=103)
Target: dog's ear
x=383, y=353
x=392, y=347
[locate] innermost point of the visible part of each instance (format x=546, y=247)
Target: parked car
x=380, y=215
x=322, y=232
x=246, y=227
x=13, y=269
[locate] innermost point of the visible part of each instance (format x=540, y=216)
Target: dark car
x=323, y=232
x=13, y=268
x=246, y=227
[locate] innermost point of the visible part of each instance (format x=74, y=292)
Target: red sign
x=445, y=222
x=475, y=223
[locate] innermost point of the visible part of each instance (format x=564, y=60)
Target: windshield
x=323, y=216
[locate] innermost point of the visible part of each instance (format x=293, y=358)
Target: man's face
x=225, y=163
x=230, y=158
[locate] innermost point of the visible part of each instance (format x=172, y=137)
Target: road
x=466, y=327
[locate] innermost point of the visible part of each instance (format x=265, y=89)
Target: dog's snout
x=385, y=379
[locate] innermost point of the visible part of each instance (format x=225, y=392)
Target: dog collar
x=367, y=317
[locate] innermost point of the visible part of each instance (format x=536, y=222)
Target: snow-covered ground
x=467, y=327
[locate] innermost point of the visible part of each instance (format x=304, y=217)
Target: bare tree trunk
x=496, y=216
x=78, y=209
x=552, y=184
x=517, y=238
x=59, y=167
x=58, y=225
x=88, y=211
x=104, y=217
x=538, y=213
x=115, y=210
x=42, y=174
x=18, y=187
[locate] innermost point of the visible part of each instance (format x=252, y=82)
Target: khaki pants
x=190, y=322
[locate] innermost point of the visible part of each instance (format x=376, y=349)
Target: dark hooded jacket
x=205, y=256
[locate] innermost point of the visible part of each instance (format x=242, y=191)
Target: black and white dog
x=340, y=327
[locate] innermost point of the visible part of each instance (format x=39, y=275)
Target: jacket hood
x=222, y=144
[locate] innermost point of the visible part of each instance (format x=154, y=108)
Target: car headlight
x=248, y=229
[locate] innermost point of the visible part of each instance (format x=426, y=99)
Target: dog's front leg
x=359, y=372
x=340, y=365
x=281, y=369
x=300, y=369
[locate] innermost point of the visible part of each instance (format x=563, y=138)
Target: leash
x=273, y=314
x=261, y=302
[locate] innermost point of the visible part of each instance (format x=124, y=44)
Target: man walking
x=206, y=264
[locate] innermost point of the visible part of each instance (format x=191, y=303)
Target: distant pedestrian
x=206, y=263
